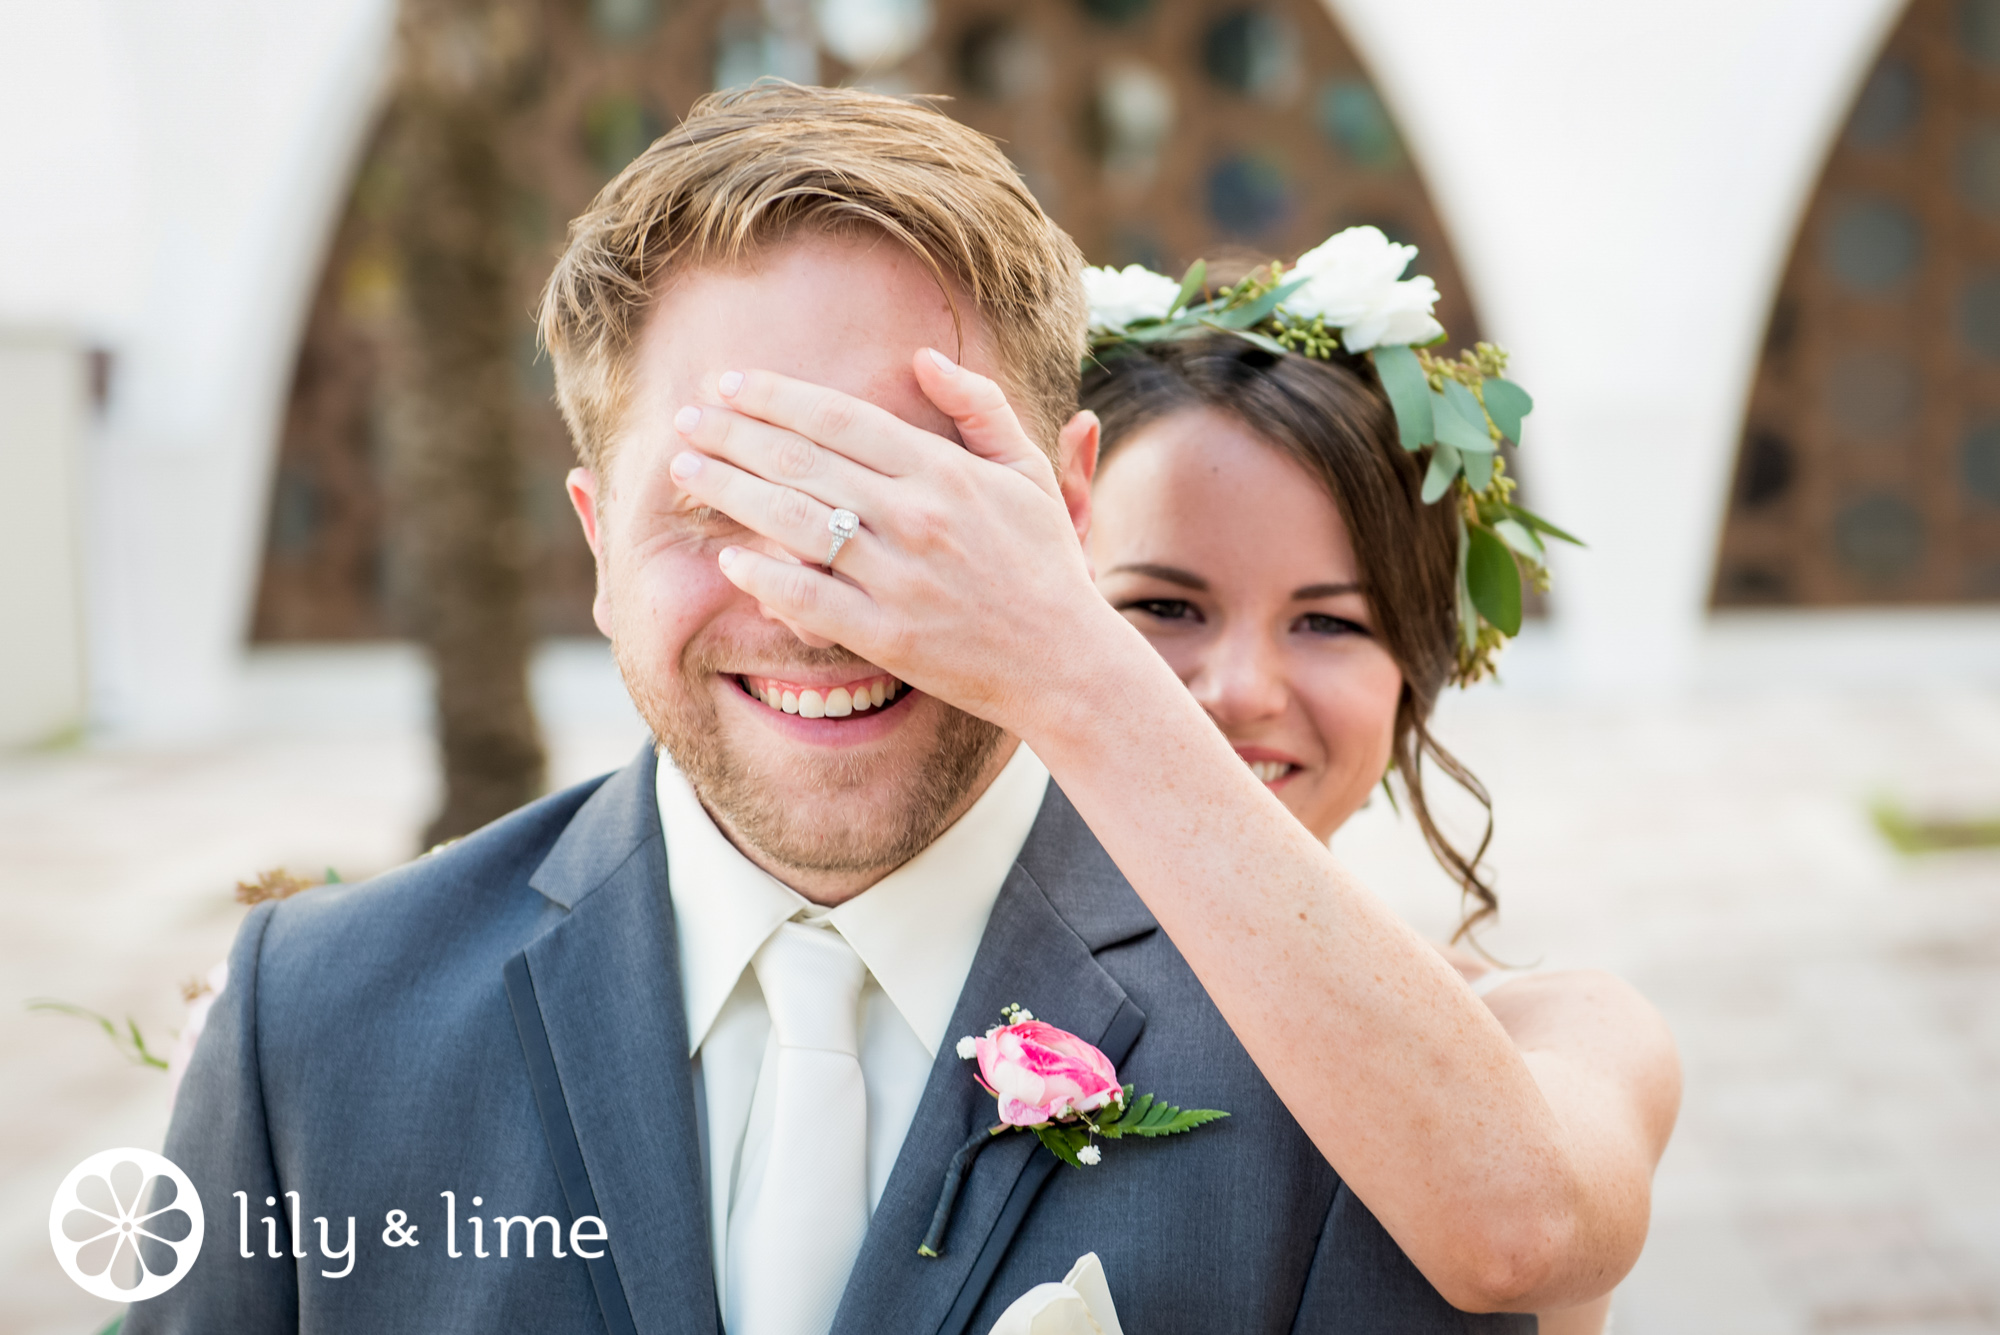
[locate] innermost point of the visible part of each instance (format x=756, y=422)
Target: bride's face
x=1234, y=562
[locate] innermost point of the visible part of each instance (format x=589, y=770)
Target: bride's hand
x=966, y=579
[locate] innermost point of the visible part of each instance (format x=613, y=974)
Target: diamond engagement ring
x=843, y=524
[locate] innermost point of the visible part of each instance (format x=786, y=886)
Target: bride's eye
x=1320, y=623
x=1163, y=609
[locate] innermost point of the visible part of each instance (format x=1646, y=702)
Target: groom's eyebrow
x=1312, y=591
x=1170, y=574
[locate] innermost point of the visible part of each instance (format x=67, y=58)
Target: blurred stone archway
x=1869, y=468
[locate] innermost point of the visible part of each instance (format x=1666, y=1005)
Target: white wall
x=169, y=175
x=1622, y=183
x=43, y=404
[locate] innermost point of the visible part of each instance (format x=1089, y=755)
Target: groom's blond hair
x=762, y=165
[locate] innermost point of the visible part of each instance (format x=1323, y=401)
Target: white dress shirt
x=916, y=930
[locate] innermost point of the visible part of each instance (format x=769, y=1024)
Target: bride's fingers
x=789, y=517
x=873, y=437
x=776, y=455
x=986, y=421
x=803, y=597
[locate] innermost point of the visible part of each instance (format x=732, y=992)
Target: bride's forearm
x=1401, y=1077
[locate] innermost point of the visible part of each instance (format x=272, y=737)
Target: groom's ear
x=1076, y=466
x=585, y=497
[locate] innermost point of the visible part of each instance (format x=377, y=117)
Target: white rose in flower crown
x=1353, y=284
x=1119, y=296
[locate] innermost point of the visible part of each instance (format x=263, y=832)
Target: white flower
x=1119, y=296
x=968, y=1048
x=1091, y=1155
x=1355, y=283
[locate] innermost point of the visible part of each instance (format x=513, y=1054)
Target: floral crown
x=1349, y=293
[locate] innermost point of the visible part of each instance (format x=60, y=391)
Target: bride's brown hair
x=1333, y=419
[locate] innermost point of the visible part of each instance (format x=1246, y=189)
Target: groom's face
x=840, y=797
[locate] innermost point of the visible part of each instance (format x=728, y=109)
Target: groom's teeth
x=823, y=701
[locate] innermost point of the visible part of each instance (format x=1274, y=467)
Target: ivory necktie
x=802, y=1203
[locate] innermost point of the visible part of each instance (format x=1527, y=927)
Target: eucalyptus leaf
x=1242, y=317
x=1264, y=341
x=1493, y=580
x=1402, y=379
x=1478, y=470
x=1521, y=538
x=1155, y=333
x=1445, y=463
x=1507, y=403
x=1454, y=427
x=1467, y=404
x=1541, y=525
x=1197, y=274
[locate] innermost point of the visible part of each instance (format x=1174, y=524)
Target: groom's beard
x=819, y=810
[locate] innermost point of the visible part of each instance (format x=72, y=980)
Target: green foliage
x=1479, y=470
x=1461, y=422
x=1063, y=1140
x=1493, y=580
x=1541, y=525
x=1409, y=394
x=1520, y=537
x=1148, y=1116
x=1445, y=463
x=1507, y=403
x=1196, y=275
x=130, y=1043
x=1910, y=835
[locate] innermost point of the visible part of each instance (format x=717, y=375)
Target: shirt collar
x=917, y=929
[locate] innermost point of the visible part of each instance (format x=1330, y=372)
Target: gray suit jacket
x=503, y=1020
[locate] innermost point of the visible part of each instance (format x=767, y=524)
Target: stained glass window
x=1870, y=465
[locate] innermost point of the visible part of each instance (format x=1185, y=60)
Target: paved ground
x=1837, y=1167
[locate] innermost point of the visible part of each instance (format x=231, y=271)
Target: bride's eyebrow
x=1312, y=591
x=1169, y=574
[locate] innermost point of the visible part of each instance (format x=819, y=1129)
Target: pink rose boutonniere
x=1054, y=1084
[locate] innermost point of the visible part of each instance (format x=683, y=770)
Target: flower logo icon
x=126, y=1225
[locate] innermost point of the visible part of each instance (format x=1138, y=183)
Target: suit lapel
x=1062, y=902
x=606, y=990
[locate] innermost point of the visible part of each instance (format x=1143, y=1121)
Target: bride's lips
x=1272, y=768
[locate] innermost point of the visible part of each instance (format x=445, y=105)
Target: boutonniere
x=1054, y=1084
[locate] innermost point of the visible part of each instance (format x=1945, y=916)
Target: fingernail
x=684, y=466
x=687, y=419
x=726, y=557
x=731, y=382
x=944, y=363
